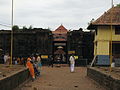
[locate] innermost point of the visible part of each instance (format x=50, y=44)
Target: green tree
x=118, y=5
x=81, y=29
x=15, y=28
x=24, y=28
x=30, y=27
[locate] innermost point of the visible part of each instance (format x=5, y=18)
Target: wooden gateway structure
x=60, y=43
x=27, y=42
x=77, y=42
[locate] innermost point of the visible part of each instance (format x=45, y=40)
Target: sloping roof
x=61, y=29
x=60, y=34
x=112, y=16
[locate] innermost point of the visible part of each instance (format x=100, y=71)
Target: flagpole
x=112, y=3
x=11, y=35
x=111, y=38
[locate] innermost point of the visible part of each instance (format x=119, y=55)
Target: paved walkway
x=61, y=79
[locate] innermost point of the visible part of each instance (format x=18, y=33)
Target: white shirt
x=72, y=60
x=38, y=59
x=5, y=58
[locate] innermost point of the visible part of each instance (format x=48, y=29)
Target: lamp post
x=11, y=54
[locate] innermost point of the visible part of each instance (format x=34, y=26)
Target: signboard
x=76, y=57
x=71, y=52
x=44, y=56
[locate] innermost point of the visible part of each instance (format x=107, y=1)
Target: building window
x=117, y=30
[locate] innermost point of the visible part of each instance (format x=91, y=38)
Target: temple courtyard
x=60, y=78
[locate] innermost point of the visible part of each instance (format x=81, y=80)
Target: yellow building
x=107, y=28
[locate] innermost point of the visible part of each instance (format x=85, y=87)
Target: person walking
x=51, y=61
x=29, y=65
x=72, y=63
x=39, y=62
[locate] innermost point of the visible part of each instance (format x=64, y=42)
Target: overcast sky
x=73, y=14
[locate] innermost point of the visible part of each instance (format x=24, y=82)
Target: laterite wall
x=12, y=81
x=104, y=79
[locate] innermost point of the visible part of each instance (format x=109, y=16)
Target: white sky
x=73, y=14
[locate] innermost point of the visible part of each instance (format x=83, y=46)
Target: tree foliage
x=24, y=28
x=15, y=27
x=118, y=5
x=30, y=27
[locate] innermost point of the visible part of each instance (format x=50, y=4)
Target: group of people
x=71, y=60
x=33, y=64
x=15, y=60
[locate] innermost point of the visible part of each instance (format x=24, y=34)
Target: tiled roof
x=112, y=16
x=60, y=34
x=61, y=29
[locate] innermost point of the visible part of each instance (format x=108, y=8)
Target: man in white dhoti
x=72, y=63
x=5, y=58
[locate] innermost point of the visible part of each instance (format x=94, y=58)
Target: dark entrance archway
x=60, y=52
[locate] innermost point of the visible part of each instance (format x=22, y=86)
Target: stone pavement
x=60, y=78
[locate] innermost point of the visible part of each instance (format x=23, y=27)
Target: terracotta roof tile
x=105, y=19
x=61, y=29
x=60, y=34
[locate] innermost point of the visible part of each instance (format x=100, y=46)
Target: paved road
x=61, y=79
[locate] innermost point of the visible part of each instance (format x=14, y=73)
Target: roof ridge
x=105, y=18
x=61, y=28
